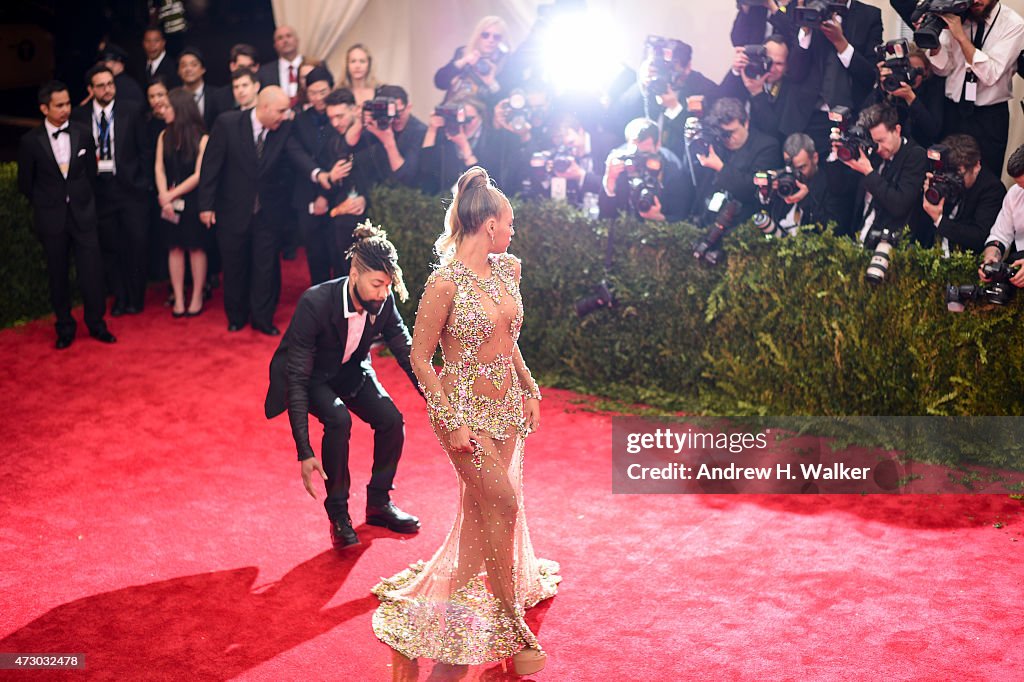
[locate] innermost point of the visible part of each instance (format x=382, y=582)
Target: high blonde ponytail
x=476, y=199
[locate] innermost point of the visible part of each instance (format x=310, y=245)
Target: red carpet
x=155, y=521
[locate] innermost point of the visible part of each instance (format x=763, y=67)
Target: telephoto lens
x=766, y=225
x=879, y=265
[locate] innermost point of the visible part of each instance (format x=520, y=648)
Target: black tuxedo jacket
x=313, y=347
x=979, y=207
x=787, y=113
x=51, y=195
x=749, y=28
x=821, y=206
x=319, y=148
x=133, y=176
x=862, y=27
x=896, y=191
x=501, y=152
x=168, y=70
x=232, y=177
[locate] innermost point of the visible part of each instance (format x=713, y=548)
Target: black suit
x=781, y=114
x=121, y=203
x=975, y=215
x=896, y=191
x=167, y=69
x=760, y=152
x=307, y=376
x=821, y=206
x=64, y=218
x=499, y=151
x=250, y=195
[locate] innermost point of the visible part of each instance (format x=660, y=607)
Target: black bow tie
x=58, y=131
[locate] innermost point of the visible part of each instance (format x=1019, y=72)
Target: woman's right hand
x=460, y=440
x=468, y=59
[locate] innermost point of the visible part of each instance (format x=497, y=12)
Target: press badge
x=971, y=87
x=558, y=188
x=105, y=166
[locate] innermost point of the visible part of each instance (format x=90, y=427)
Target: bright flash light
x=581, y=52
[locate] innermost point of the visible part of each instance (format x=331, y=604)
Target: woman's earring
x=492, y=237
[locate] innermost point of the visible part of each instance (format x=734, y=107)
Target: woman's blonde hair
x=371, y=82
x=474, y=39
x=476, y=200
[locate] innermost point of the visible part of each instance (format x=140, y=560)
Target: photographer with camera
x=834, y=56
x=778, y=106
x=573, y=165
x=734, y=153
x=905, y=81
x=468, y=140
x=644, y=177
x=392, y=137
x=961, y=198
x=799, y=194
x=1006, y=240
x=476, y=67
x=893, y=174
x=977, y=55
x=756, y=20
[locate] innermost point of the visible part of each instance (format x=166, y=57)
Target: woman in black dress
x=179, y=156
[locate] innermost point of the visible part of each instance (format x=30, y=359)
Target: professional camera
x=601, y=298
x=664, y=55
x=997, y=290
x=383, y=110
x=895, y=56
x=927, y=17
x=763, y=222
x=882, y=240
x=851, y=138
x=946, y=182
x=771, y=183
x=542, y=167
x=454, y=116
x=758, y=61
x=816, y=11
x=702, y=135
x=518, y=113
x=643, y=173
x=722, y=212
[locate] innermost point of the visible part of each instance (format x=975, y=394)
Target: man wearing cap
x=114, y=58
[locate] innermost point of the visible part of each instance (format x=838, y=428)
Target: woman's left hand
x=531, y=414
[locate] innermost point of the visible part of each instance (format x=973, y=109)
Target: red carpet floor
x=154, y=520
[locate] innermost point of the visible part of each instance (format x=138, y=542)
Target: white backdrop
x=411, y=39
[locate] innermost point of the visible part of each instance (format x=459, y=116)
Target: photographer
x=736, y=155
x=391, y=144
x=778, y=106
x=835, y=58
x=475, y=69
x=893, y=176
x=1006, y=240
x=572, y=166
x=645, y=178
x=467, y=140
x=814, y=202
x=977, y=55
x=964, y=221
x=756, y=20
x=918, y=102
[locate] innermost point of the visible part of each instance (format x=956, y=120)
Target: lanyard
x=979, y=40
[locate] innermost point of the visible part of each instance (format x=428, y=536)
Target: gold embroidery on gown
x=465, y=606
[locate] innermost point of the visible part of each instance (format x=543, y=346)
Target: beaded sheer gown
x=466, y=605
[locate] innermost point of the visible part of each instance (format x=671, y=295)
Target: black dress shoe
x=342, y=534
x=269, y=331
x=64, y=340
x=235, y=327
x=391, y=517
x=104, y=335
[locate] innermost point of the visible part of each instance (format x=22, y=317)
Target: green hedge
x=783, y=327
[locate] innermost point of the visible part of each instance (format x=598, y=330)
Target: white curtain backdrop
x=411, y=39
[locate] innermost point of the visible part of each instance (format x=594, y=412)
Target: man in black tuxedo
x=836, y=59
x=158, y=62
x=192, y=70
x=284, y=71
x=893, y=176
x=322, y=367
x=56, y=167
x=122, y=187
x=817, y=201
x=244, y=188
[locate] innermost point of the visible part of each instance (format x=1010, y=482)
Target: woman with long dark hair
x=466, y=605
x=179, y=157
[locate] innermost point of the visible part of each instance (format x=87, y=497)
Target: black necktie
x=149, y=69
x=260, y=142
x=104, y=136
x=58, y=131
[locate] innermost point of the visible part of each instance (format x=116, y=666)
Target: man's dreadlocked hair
x=373, y=252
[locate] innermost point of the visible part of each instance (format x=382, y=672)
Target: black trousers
x=989, y=125
x=252, y=270
x=89, y=266
x=327, y=239
x=373, y=405
x=123, y=227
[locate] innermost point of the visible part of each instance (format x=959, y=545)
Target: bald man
x=284, y=71
x=244, y=188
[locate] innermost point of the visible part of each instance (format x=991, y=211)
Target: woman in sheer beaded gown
x=466, y=605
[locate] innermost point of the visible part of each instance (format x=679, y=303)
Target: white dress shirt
x=97, y=112
x=154, y=64
x=200, y=97
x=356, y=325
x=994, y=65
x=1009, y=226
x=290, y=89
x=61, y=146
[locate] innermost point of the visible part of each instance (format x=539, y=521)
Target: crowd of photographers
x=816, y=121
